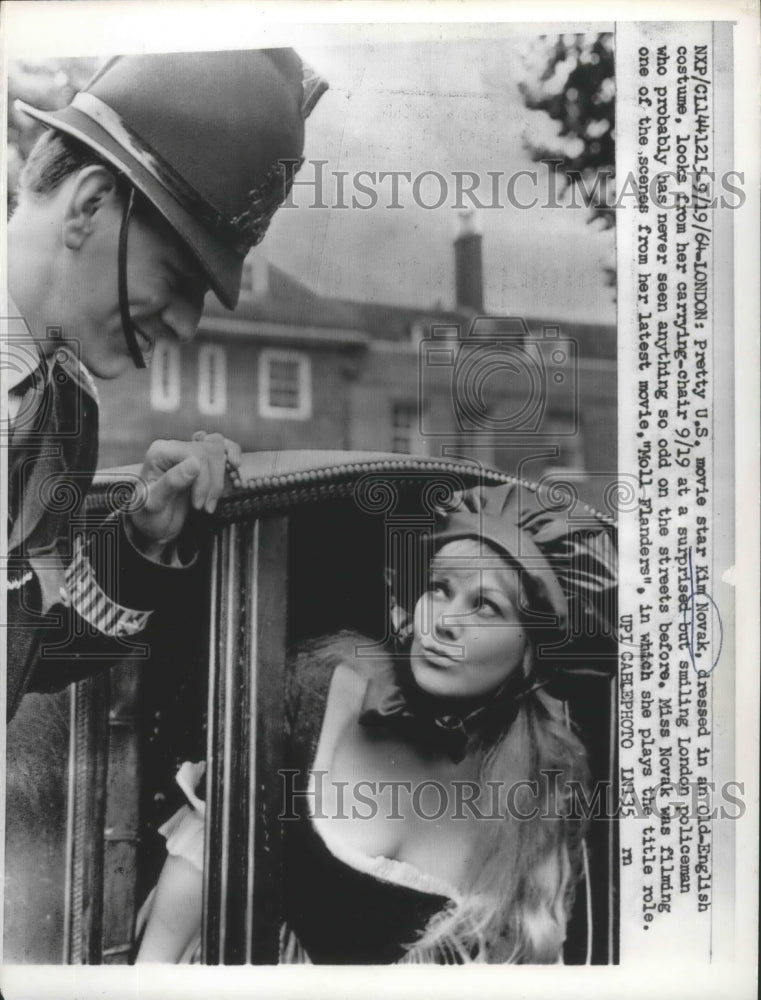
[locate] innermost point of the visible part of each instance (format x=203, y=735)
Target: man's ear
x=91, y=190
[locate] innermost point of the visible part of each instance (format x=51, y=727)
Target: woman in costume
x=429, y=811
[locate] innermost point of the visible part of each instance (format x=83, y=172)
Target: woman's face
x=468, y=637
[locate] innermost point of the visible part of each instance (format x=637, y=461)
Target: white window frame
x=304, y=362
x=212, y=404
x=166, y=377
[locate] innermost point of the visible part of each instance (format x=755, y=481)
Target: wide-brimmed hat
x=211, y=139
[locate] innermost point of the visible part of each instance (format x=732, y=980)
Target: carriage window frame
x=244, y=686
x=274, y=411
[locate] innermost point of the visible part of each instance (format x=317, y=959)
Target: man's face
x=166, y=288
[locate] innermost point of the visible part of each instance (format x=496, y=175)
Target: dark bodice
x=341, y=915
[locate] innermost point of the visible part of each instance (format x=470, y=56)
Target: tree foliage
x=573, y=83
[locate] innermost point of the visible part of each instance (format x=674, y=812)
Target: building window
x=285, y=385
x=404, y=428
x=165, y=376
x=212, y=380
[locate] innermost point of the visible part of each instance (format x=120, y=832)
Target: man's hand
x=178, y=475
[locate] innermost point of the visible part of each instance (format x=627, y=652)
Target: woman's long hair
x=523, y=871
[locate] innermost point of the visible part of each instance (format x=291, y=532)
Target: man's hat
x=212, y=139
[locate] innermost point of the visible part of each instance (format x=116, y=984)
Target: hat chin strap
x=128, y=326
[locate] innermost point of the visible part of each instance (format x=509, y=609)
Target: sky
x=440, y=106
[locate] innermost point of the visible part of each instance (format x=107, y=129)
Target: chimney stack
x=469, y=279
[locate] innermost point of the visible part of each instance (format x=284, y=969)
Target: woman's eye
x=438, y=587
x=487, y=608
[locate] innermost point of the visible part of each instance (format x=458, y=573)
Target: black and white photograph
x=367, y=435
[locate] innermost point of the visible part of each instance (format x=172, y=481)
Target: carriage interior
x=149, y=715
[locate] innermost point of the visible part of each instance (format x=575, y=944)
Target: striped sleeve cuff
x=85, y=595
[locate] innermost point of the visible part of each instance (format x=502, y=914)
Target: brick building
x=292, y=369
